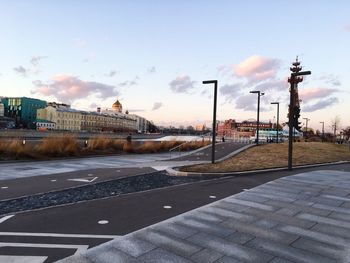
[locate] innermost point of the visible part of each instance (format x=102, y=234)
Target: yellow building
x=66, y=119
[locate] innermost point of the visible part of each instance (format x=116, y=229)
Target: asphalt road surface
x=57, y=232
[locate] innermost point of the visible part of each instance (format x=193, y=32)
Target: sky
x=153, y=56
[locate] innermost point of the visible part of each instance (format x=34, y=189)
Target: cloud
x=181, y=84
x=230, y=92
x=257, y=68
x=129, y=83
x=157, y=105
x=151, y=70
x=225, y=70
x=347, y=27
x=112, y=73
x=136, y=110
x=321, y=104
x=315, y=93
x=331, y=79
x=21, y=70
x=273, y=85
x=36, y=59
x=247, y=102
x=67, y=88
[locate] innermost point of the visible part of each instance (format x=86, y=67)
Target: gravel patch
x=94, y=191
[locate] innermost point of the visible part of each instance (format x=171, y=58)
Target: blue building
x=23, y=110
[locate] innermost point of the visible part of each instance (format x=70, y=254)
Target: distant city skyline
x=153, y=56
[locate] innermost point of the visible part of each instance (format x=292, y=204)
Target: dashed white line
x=103, y=222
x=167, y=207
x=4, y=187
x=212, y=196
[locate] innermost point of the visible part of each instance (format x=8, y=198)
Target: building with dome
x=117, y=106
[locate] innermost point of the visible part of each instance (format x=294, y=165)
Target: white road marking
x=245, y=189
x=90, y=174
x=79, y=248
x=2, y=220
x=118, y=171
x=21, y=259
x=57, y=235
x=85, y=180
x=53, y=180
x=4, y=187
x=167, y=207
x=160, y=168
x=103, y=222
x=212, y=196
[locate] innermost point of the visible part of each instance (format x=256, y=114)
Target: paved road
x=27, y=178
x=299, y=218
x=124, y=214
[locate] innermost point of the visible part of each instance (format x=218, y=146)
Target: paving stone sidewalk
x=300, y=218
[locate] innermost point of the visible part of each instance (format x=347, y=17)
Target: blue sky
x=153, y=55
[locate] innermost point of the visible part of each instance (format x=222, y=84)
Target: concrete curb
x=174, y=172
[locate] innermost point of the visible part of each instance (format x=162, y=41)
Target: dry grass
x=61, y=146
x=15, y=149
x=276, y=155
x=104, y=144
x=58, y=146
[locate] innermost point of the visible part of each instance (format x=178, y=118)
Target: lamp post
x=295, y=78
x=278, y=116
x=306, y=121
x=322, y=130
x=215, y=82
x=258, y=113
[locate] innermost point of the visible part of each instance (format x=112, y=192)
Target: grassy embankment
x=69, y=146
x=276, y=155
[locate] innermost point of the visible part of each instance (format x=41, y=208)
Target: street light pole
x=322, y=130
x=215, y=82
x=293, y=80
x=306, y=121
x=278, y=116
x=258, y=114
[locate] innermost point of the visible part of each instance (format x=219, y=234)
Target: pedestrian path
x=300, y=218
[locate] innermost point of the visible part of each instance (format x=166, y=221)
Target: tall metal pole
x=258, y=114
x=290, y=124
x=257, y=120
x=278, y=117
x=306, y=120
x=215, y=82
x=322, y=129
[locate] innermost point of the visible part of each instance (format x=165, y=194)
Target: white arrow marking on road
x=79, y=248
x=85, y=180
x=2, y=220
x=21, y=259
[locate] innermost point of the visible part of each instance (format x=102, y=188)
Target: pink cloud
x=67, y=88
x=257, y=68
x=315, y=93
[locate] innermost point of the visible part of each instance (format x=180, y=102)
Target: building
x=2, y=109
x=44, y=125
x=246, y=129
x=141, y=124
x=23, y=110
x=65, y=119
